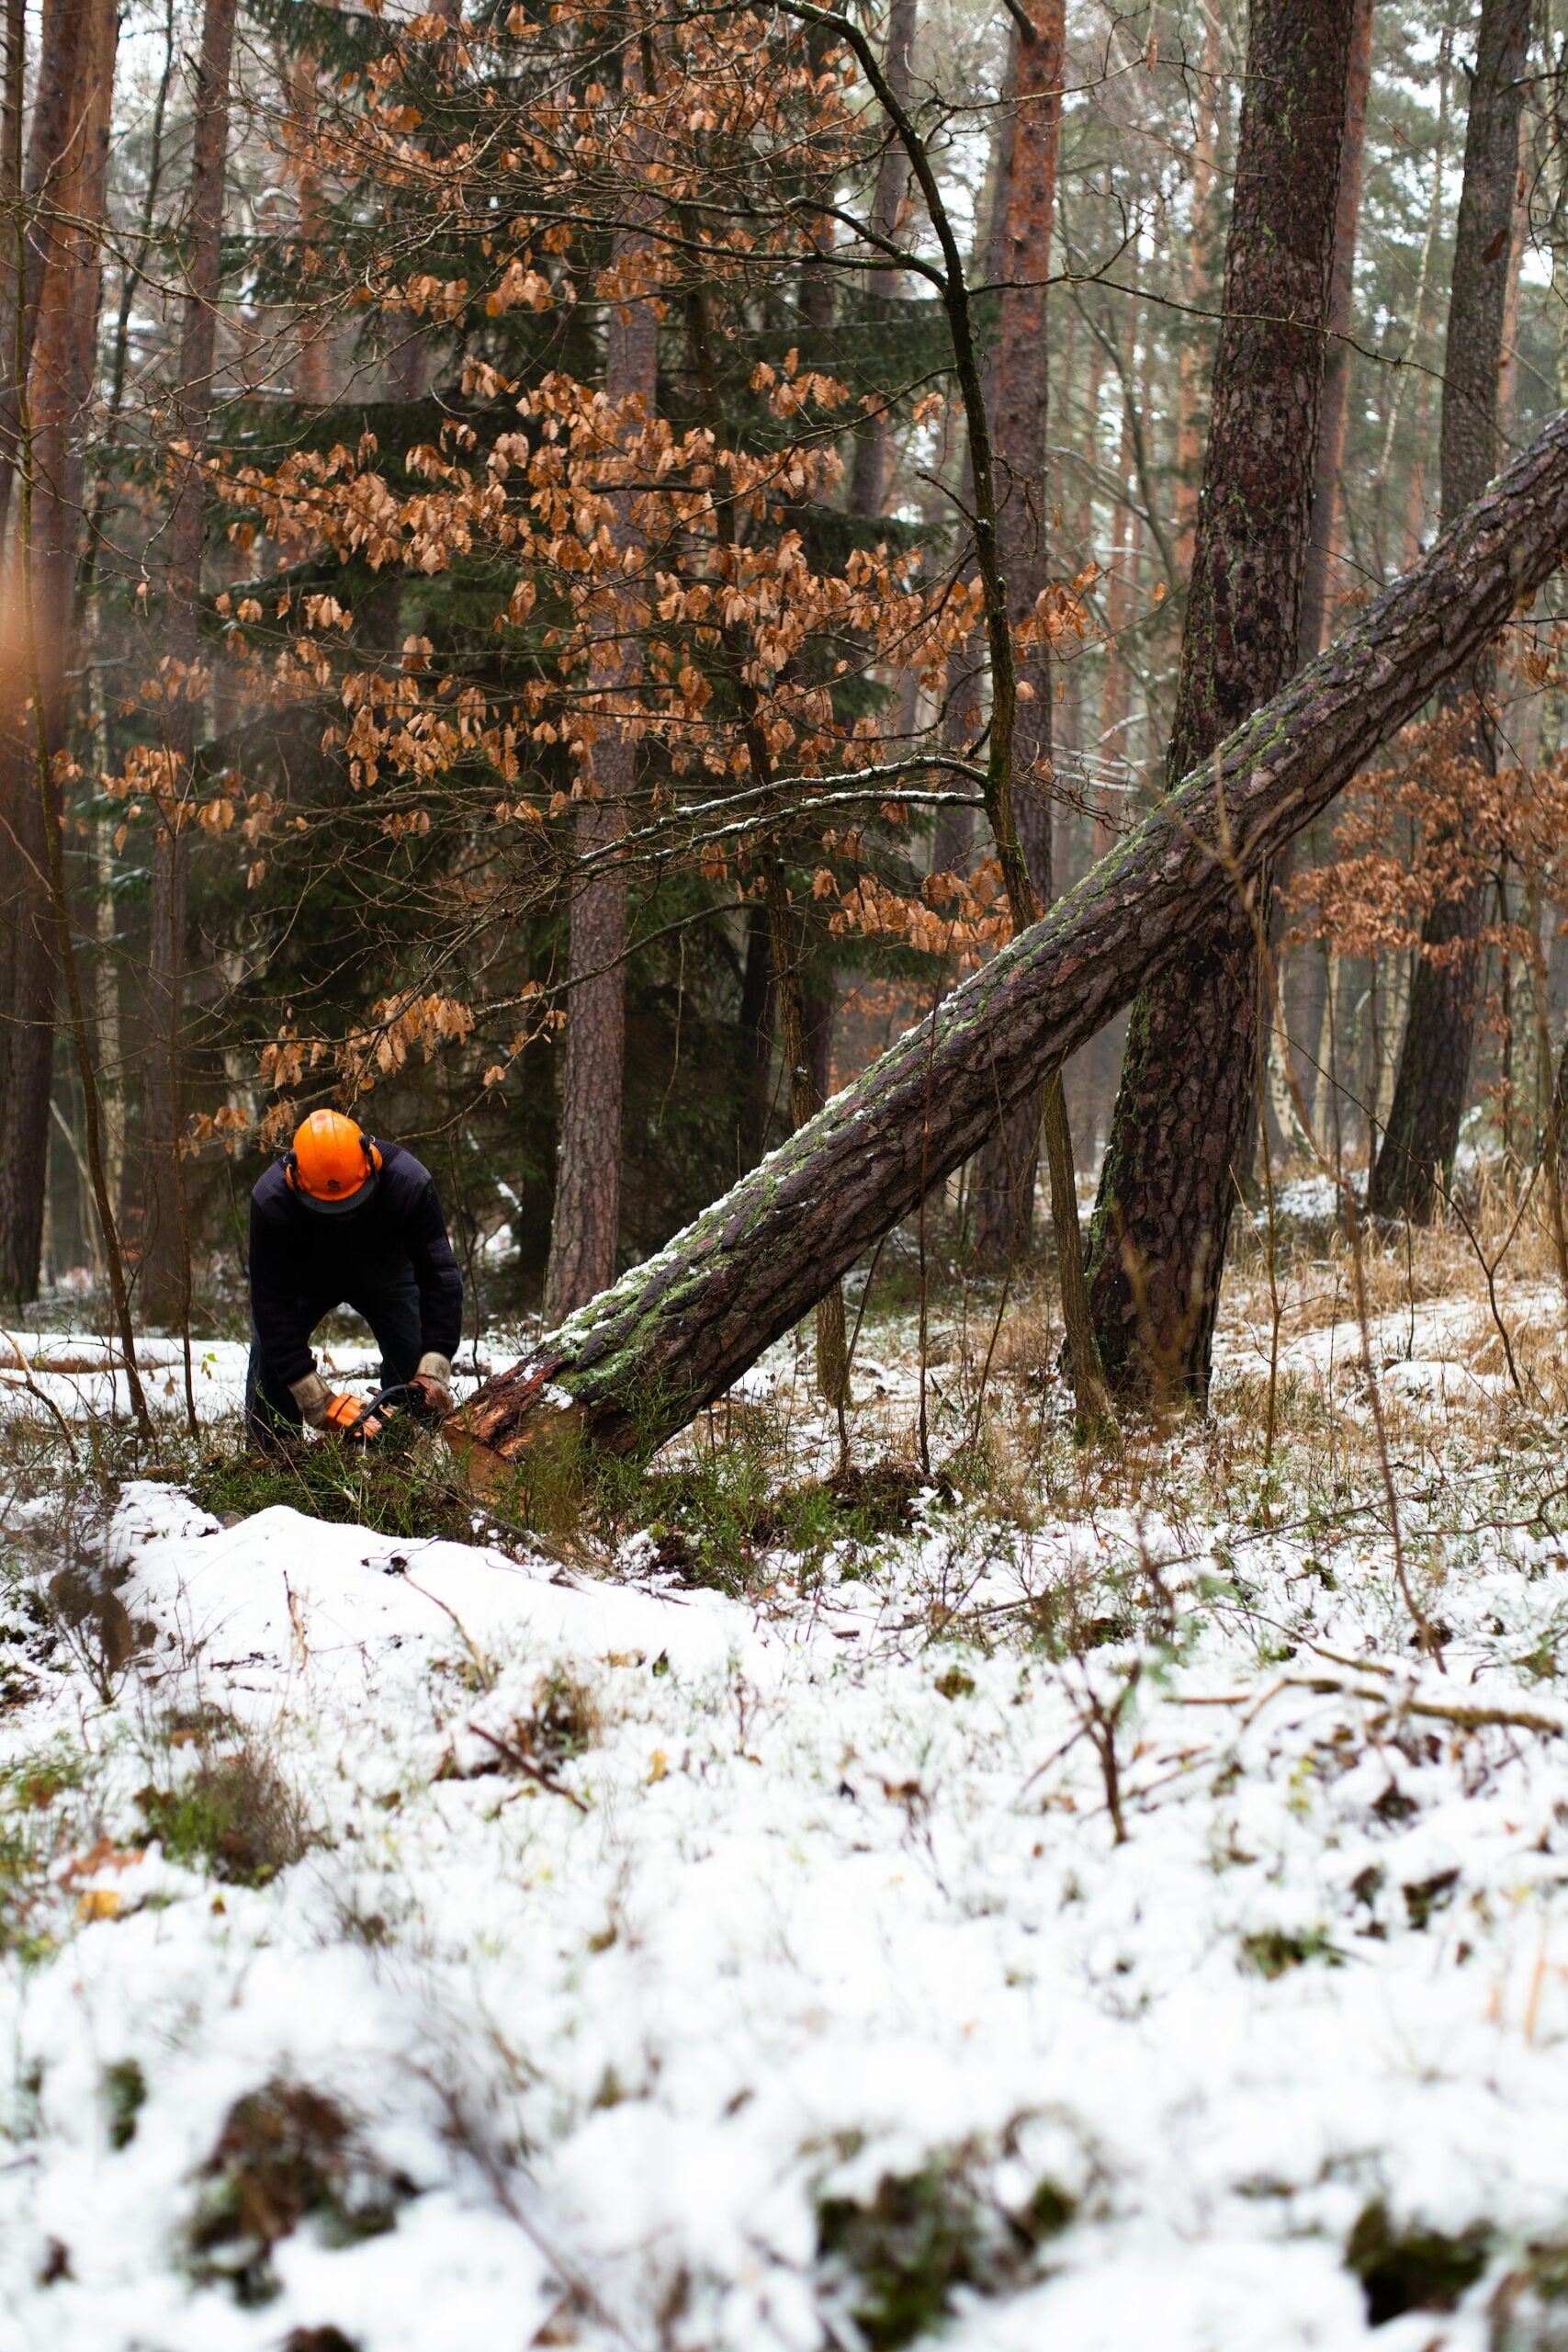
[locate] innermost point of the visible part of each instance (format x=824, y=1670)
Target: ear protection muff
x=373, y=1162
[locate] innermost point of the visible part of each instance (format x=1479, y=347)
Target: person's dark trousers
x=392, y=1309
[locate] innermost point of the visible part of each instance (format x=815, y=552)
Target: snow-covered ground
x=664, y=1968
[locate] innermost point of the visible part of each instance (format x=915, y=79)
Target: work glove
x=432, y=1385
x=328, y=1408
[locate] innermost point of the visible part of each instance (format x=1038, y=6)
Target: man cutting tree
x=345, y=1219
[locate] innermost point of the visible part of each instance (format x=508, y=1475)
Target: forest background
x=501, y=607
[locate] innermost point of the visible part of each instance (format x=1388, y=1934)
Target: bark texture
x=164, y=1278
x=585, y=1220
x=1431, y=1086
x=53, y=148
x=868, y=481
x=59, y=384
x=636, y=1364
x=1004, y=1192
x=1181, y=1132
x=1205, y=130
x=1315, y=587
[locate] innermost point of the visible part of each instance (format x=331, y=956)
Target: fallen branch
x=1443, y=1711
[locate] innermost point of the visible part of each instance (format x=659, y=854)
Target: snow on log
x=638, y=1361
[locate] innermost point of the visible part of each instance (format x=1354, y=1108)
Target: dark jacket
x=302, y=1264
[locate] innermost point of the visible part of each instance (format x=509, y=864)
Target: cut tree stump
x=638, y=1361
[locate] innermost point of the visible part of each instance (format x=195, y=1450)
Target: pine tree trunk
x=681, y=1328
x=1005, y=1177
x=60, y=385
x=585, y=1220
x=757, y=1029
x=804, y=1042
x=1416, y=1162
x=53, y=140
x=1182, y=1130
x=166, y=1256
x=868, y=481
x=1188, y=437
x=1337, y=360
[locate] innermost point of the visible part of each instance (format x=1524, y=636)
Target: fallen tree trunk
x=634, y=1364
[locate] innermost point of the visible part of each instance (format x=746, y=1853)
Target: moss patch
x=1271, y=1952
x=908, y=2249
x=1412, y=2269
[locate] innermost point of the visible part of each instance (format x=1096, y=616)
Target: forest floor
x=1095, y=1898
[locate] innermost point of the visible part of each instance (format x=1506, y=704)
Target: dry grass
x=1468, y=1339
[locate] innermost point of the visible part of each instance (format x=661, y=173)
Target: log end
x=510, y=1417
x=481, y=1466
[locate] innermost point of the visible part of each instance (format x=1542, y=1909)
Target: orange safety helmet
x=333, y=1165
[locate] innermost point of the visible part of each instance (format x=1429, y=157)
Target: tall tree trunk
x=585, y=1222
x=1301, y=995
x=312, y=353
x=757, y=1030
x=868, y=482
x=674, y=1334
x=961, y=715
x=53, y=137
x=1004, y=1195
x=1415, y=1161
x=1417, y=338
x=1182, y=1129
x=13, y=104
x=1124, y=553
x=1336, y=359
x=804, y=1042
x=165, y=1257
x=60, y=391
x=1187, y=434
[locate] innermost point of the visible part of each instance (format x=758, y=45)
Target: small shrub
x=124, y=2089
x=916, y=2241
x=32, y=1834
x=715, y=1520
x=1413, y=2270
x=1528, y=2312
x=286, y=2154
x=900, y=2255
x=1272, y=1951
x=1429, y=1894
x=565, y=1721
x=232, y=1815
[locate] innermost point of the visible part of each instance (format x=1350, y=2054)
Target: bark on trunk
x=1181, y=1134
x=1004, y=1192
x=1415, y=1161
x=1337, y=360
x=585, y=1220
x=54, y=139
x=634, y=1365
x=59, y=398
x=165, y=1258
x=868, y=481
x=757, y=1029
x=805, y=1043
x=1187, y=432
